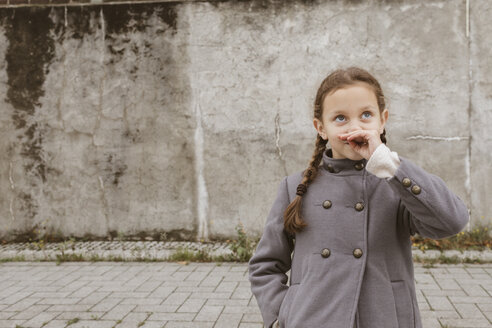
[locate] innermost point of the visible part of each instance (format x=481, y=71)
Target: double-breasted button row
x=406, y=182
x=325, y=252
x=359, y=206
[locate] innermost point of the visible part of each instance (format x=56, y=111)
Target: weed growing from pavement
x=17, y=258
x=69, y=258
x=243, y=247
x=141, y=323
x=72, y=321
x=186, y=254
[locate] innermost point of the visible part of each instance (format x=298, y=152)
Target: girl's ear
x=384, y=119
x=319, y=127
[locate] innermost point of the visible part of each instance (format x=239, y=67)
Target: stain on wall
x=95, y=94
x=28, y=57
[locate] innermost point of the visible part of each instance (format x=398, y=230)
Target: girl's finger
x=358, y=135
x=350, y=133
x=366, y=135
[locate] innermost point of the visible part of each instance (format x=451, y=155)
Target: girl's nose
x=354, y=127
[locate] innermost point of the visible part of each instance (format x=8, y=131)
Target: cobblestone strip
x=166, y=294
x=160, y=250
x=108, y=250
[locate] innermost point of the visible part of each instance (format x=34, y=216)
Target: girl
x=343, y=225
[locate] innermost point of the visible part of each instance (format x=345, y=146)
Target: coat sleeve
x=427, y=206
x=272, y=259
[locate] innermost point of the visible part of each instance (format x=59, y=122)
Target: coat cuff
x=432, y=209
x=383, y=162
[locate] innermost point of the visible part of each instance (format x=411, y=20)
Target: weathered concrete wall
x=179, y=119
x=480, y=111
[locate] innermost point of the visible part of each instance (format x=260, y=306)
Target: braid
x=293, y=221
x=383, y=136
x=312, y=170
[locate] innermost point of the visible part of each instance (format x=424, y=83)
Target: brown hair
x=338, y=79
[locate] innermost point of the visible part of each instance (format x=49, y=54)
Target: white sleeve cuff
x=383, y=162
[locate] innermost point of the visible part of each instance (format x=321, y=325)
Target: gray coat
x=352, y=265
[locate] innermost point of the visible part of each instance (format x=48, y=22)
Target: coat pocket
x=403, y=304
x=285, y=306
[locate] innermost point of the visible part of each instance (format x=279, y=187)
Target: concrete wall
x=178, y=119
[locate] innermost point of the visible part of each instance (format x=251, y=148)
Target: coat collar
x=342, y=165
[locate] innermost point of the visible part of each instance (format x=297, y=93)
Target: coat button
x=327, y=204
x=325, y=252
x=359, y=166
x=406, y=182
x=330, y=168
x=359, y=206
x=357, y=252
x=416, y=189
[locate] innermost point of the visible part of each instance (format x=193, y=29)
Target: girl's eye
x=338, y=117
x=369, y=114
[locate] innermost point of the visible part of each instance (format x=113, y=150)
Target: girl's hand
x=363, y=142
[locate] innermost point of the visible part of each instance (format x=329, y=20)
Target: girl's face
x=348, y=109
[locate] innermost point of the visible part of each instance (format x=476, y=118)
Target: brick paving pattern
x=167, y=294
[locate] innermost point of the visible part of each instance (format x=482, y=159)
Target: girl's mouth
x=357, y=143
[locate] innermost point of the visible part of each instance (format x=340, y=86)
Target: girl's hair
x=338, y=79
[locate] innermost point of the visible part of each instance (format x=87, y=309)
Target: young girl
x=343, y=225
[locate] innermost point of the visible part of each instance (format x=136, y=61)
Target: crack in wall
x=104, y=202
x=100, y=109
x=101, y=85
x=201, y=192
x=64, y=78
x=12, y=198
x=424, y=137
x=202, y=195
x=277, y=133
x=468, y=184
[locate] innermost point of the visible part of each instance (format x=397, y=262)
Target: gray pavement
x=167, y=294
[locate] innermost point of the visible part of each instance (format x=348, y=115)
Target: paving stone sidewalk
x=167, y=294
